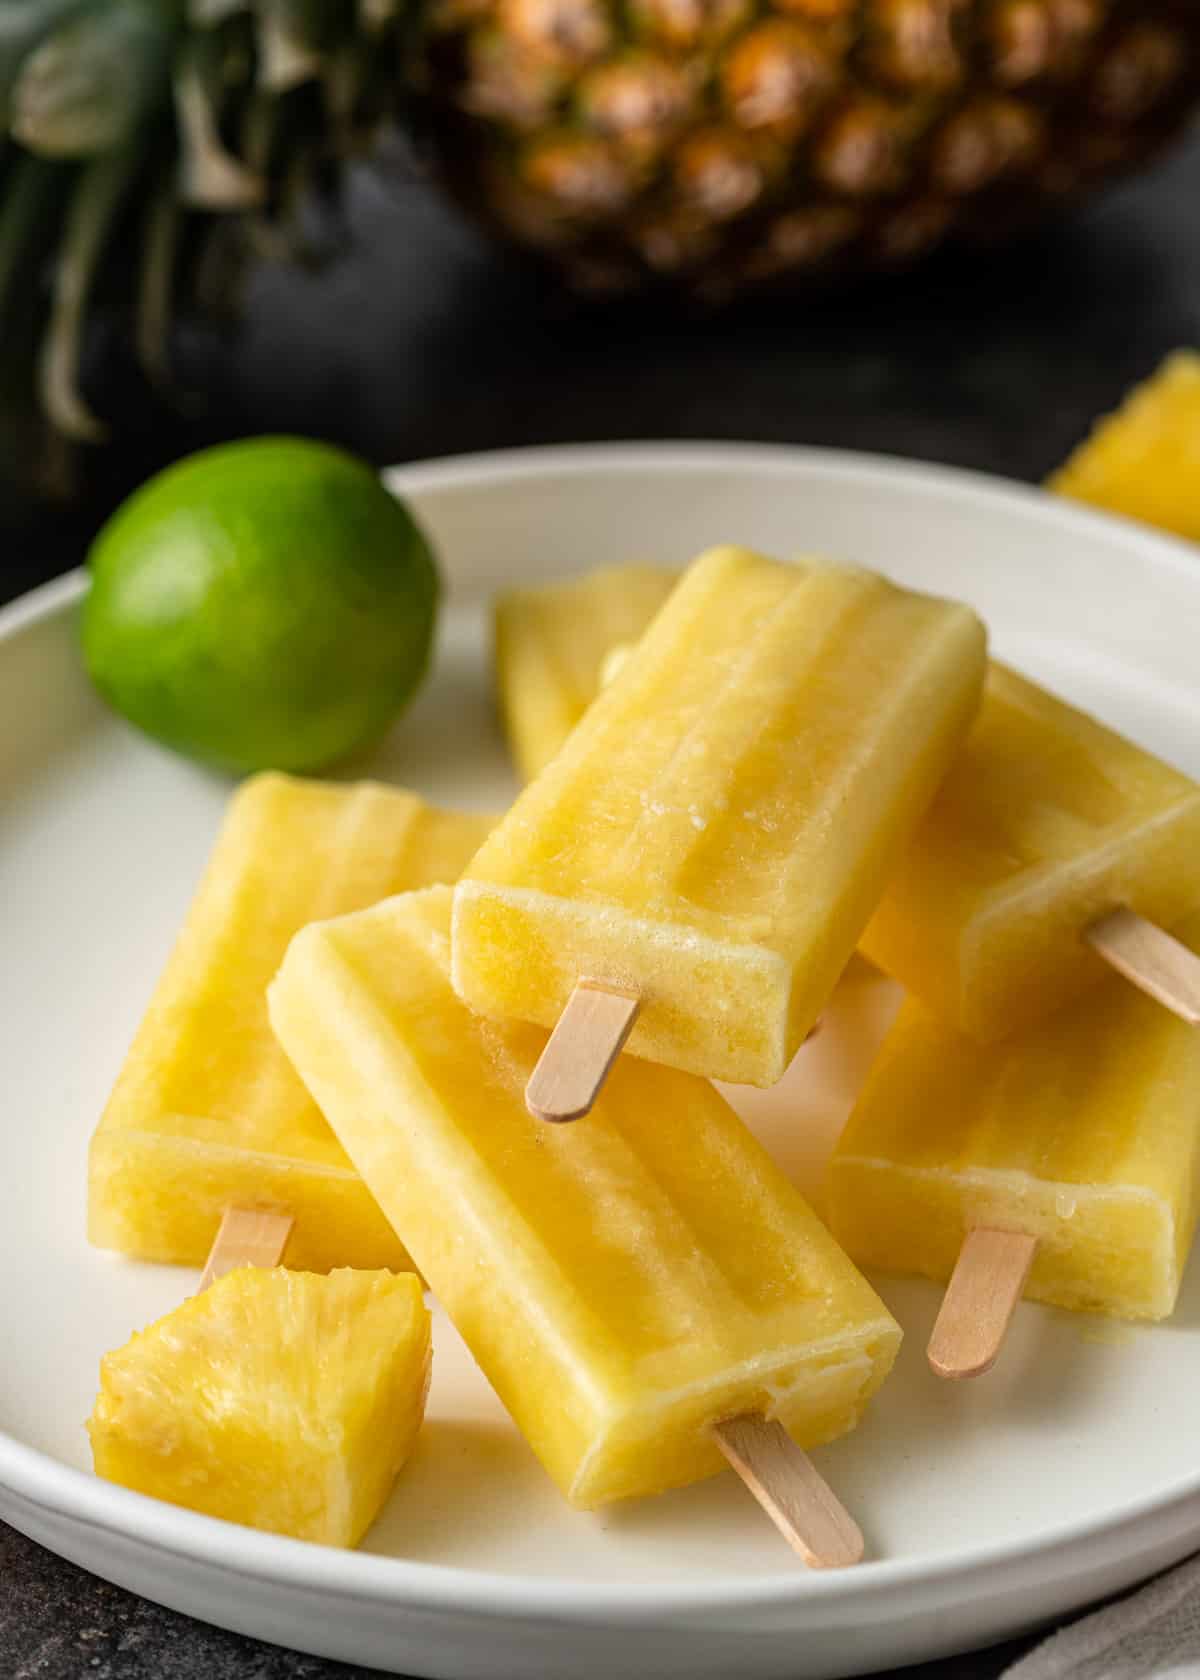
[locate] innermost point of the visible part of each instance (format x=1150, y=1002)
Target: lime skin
x=261, y=605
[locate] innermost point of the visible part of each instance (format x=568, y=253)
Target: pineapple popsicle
x=625, y=1284
x=713, y=837
x=1048, y=823
x=550, y=644
x=207, y=1112
x=1081, y=1134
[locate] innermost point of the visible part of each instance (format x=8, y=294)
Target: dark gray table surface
x=426, y=343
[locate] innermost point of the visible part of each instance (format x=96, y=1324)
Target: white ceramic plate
x=1071, y=1471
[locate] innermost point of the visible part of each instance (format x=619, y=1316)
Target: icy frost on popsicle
x=625, y=1284
x=1047, y=823
x=207, y=1111
x=1082, y=1132
x=716, y=832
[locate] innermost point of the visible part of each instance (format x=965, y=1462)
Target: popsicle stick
x=579, y=1053
x=247, y=1237
x=1151, y=959
x=988, y=1281
x=801, y=1504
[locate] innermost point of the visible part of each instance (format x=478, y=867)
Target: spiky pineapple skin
x=287, y=1401
x=717, y=143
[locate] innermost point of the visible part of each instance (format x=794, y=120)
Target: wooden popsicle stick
x=982, y=1296
x=798, y=1500
x=1151, y=959
x=581, y=1050
x=247, y=1237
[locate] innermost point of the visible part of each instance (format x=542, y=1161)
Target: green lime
x=262, y=605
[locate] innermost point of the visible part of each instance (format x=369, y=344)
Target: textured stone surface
x=59, y=1623
x=425, y=344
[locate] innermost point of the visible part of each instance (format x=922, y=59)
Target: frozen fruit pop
x=627, y=1284
x=1051, y=845
x=207, y=1112
x=550, y=645
x=708, y=845
x=1074, y=1143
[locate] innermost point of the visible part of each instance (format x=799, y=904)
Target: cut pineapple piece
x=284, y=1400
x=1144, y=460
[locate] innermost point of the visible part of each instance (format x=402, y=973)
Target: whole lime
x=261, y=605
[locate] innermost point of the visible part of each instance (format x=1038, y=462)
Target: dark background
x=425, y=343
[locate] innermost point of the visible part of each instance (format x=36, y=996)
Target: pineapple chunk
x=1144, y=461
x=284, y=1400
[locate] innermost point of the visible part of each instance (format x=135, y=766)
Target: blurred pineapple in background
x=721, y=142
x=1144, y=461
x=284, y=1400
x=155, y=146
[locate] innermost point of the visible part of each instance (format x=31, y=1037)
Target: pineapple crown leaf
x=124, y=117
x=23, y=27
x=98, y=196
x=86, y=86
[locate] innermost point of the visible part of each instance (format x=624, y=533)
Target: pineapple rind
x=283, y=1400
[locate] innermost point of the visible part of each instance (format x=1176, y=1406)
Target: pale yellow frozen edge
x=1096, y=862
x=616, y=928
x=1021, y=1183
x=1005, y=1178
x=214, y=1151
x=756, y=1373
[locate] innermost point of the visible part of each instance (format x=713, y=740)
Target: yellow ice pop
x=625, y=1284
x=1144, y=460
x=716, y=832
x=550, y=646
x=1081, y=1133
x=1047, y=823
x=207, y=1112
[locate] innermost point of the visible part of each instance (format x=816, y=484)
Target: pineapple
x=284, y=1400
x=1144, y=461
x=713, y=143
x=155, y=146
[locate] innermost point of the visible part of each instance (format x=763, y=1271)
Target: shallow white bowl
x=1070, y=1472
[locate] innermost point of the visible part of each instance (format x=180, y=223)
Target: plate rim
x=79, y=1497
